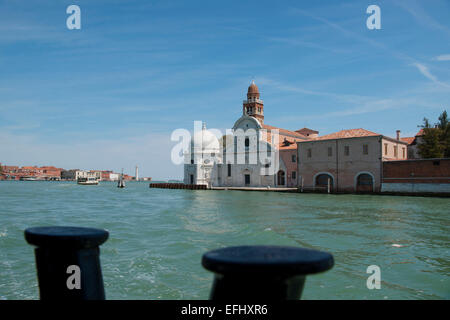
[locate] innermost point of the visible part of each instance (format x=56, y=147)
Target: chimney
x=398, y=134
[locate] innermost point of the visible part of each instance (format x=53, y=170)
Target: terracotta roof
x=289, y=147
x=287, y=144
x=408, y=140
x=350, y=133
x=306, y=130
x=284, y=132
x=420, y=133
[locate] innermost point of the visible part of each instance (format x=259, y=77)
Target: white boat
x=87, y=181
x=28, y=179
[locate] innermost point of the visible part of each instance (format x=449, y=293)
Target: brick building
x=40, y=173
x=413, y=145
x=347, y=161
x=50, y=173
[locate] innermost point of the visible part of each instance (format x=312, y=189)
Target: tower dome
x=253, y=91
x=253, y=106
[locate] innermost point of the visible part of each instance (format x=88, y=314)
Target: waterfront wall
x=416, y=187
x=178, y=186
x=416, y=176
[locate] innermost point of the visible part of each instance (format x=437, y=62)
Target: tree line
x=436, y=138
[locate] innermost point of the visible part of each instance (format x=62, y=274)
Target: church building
x=254, y=155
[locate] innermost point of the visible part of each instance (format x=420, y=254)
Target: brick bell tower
x=253, y=106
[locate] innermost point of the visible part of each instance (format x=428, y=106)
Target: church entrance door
x=247, y=179
x=281, y=179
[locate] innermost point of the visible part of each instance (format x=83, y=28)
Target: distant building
x=97, y=174
x=53, y=173
x=9, y=172
x=106, y=175
x=413, y=145
x=10, y=169
x=42, y=173
x=76, y=174
x=50, y=173
x=69, y=174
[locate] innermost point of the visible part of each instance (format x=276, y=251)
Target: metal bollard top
x=269, y=260
x=72, y=237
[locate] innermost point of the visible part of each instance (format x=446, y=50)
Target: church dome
x=205, y=141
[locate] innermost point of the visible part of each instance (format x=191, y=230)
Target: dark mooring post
x=263, y=272
x=68, y=262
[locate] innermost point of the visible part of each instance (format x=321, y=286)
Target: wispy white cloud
x=442, y=57
x=308, y=44
x=348, y=105
x=351, y=98
x=419, y=13
x=395, y=53
x=361, y=38
x=426, y=72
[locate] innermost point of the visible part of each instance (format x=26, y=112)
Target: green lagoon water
x=158, y=236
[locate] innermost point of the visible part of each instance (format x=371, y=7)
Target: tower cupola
x=253, y=91
x=253, y=106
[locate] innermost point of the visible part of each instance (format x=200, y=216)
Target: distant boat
x=121, y=183
x=28, y=179
x=87, y=181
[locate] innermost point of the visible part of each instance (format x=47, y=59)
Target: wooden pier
x=204, y=187
x=178, y=186
x=273, y=189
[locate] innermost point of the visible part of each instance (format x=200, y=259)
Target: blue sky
x=109, y=95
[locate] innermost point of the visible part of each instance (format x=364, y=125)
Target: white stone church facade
x=253, y=155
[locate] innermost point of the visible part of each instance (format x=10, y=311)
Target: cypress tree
x=444, y=128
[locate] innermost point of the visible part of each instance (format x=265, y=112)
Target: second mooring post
x=263, y=272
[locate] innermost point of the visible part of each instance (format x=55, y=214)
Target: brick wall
x=286, y=156
x=417, y=171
